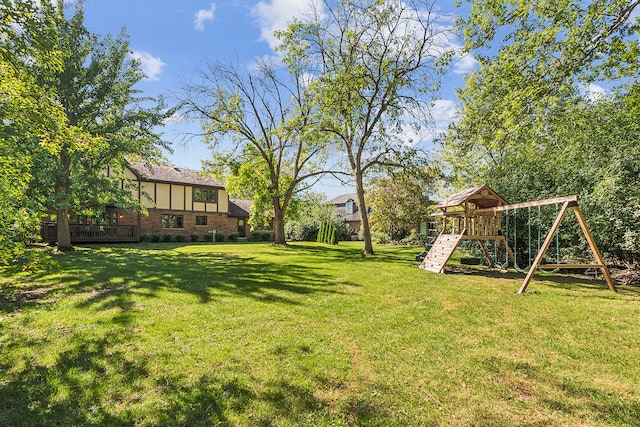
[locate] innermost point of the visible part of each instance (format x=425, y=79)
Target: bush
x=166, y=238
x=299, y=231
x=155, y=237
x=194, y=237
x=308, y=231
x=145, y=237
x=209, y=236
x=233, y=237
x=180, y=238
x=380, y=237
x=261, y=236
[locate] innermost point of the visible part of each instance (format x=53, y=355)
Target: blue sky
x=173, y=38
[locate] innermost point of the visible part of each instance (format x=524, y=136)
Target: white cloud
x=175, y=118
x=441, y=114
x=594, y=92
x=273, y=15
x=151, y=65
x=202, y=16
x=464, y=64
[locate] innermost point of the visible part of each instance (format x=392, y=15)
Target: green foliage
x=209, y=236
x=233, y=237
x=155, y=237
x=194, y=237
x=261, y=236
x=167, y=237
x=146, y=237
x=400, y=201
x=105, y=120
x=309, y=215
x=30, y=120
x=328, y=234
x=180, y=238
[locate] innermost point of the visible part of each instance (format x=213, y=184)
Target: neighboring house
x=346, y=207
x=178, y=201
x=240, y=209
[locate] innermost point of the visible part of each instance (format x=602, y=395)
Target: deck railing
x=90, y=233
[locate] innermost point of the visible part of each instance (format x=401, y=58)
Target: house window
x=350, y=208
x=172, y=221
x=207, y=195
x=201, y=220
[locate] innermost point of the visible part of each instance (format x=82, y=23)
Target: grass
x=250, y=334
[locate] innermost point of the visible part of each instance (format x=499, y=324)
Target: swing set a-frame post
x=547, y=242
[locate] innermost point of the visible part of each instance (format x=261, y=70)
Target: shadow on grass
x=97, y=374
x=561, y=398
x=559, y=281
x=206, y=275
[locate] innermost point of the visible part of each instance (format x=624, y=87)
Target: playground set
x=477, y=214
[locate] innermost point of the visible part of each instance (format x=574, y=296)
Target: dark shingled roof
x=173, y=174
x=342, y=213
x=482, y=196
x=342, y=199
x=239, y=208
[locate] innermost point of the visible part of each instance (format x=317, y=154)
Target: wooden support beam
x=553, y=201
x=544, y=247
x=571, y=266
x=594, y=248
x=486, y=254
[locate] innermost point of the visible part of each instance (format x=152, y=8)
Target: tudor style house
x=178, y=201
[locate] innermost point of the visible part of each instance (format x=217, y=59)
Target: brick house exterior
x=183, y=201
x=179, y=201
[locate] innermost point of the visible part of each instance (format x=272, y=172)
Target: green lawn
x=250, y=334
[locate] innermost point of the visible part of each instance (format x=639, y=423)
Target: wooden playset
x=477, y=214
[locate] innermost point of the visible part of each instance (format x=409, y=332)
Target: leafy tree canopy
x=375, y=68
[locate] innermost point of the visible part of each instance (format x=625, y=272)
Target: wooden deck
x=92, y=233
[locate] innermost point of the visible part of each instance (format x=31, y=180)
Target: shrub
x=194, y=237
x=155, y=237
x=166, y=238
x=180, y=238
x=146, y=237
x=261, y=236
x=380, y=237
x=299, y=231
x=233, y=237
x=209, y=236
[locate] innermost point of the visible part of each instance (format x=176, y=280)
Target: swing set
x=477, y=213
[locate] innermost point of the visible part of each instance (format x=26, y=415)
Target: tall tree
x=29, y=118
x=376, y=66
x=266, y=113
x=106, y=120
x=533, y=56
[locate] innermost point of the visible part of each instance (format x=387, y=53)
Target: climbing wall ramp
x=440, y=252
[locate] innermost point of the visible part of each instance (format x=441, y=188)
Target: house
x=346, y=207
x=179, y=201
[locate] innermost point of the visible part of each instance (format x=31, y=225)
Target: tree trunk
x=364, y=218
x=63, y=232
x=278, y=226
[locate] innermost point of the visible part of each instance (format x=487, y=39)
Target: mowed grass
x=309, y=335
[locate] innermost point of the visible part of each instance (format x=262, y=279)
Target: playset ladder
x=440, y=252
